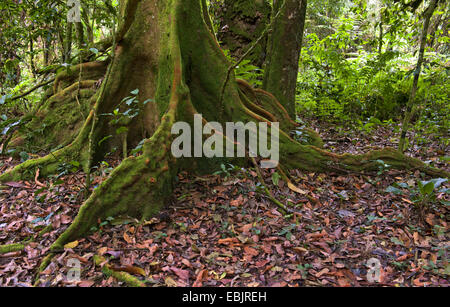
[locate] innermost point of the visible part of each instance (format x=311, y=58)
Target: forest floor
x=222, y=230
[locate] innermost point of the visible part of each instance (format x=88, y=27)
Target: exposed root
x=125, y=277
x=44, y=264
x=16, y=247
x=136, y=187
x=283, y=208
x=139, y=186
x=59, y=120
x=267, y=102
x=90, y=71
x=315, y=159
x=49, y=164
x=9, y=248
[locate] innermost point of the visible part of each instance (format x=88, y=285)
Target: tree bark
x=241, y=23
x=68, y=42
x=284, y=49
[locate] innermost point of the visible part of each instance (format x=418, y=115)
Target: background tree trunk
x=68, y=43
x=241, y=23
x=284, y=49
x=410, y=107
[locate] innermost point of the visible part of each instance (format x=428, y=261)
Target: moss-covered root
x=9, y=248
x=138, y=187
x=315, y=159
x=128, y=279
x=17, y=247
x=44, y=264
x=76, y=151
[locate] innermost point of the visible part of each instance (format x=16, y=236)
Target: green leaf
x=445, y=202
x=428, y=188
x=130, y=101
x=75, y=163
x=94, y=50
x=275, y=178
x=438, y=182
x=24, y=156
x=396, y=241
x=135, y=92
x=394, y=190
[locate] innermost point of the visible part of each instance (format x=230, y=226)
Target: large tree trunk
x=284, y=49
x=165, y=49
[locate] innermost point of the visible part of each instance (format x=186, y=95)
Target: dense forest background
x=364, y=75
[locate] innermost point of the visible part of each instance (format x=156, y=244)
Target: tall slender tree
x=284, y=49
x=411, y=107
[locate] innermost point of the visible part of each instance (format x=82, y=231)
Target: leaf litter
x=220, y=231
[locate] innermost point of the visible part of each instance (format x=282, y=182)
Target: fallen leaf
x=170, y=282
x=296, y=189
x=127, y=238
x=71, y=245
x=183, y=274
x=129, y=269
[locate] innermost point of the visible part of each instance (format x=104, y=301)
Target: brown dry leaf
x=186, y=263
x=323, y=272
x=65, y=219
x=343, y=282
x=183, y=274
x=202, y=275
x=86, y=283
x=129, y=269
x=253, y=284
x=418, y=283
x=430, y=219
x=127, y=238
x=300, y=249
x=22, y=194
x=237, y=202
x=227, y=241
x=170, y=282
x=251, y=251
x=246, y=228
x=407, y=200
x=102, y=251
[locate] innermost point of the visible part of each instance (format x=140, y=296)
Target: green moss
x=48, y=165
x=120, y=276
x=58, y=121
x=4, y=249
